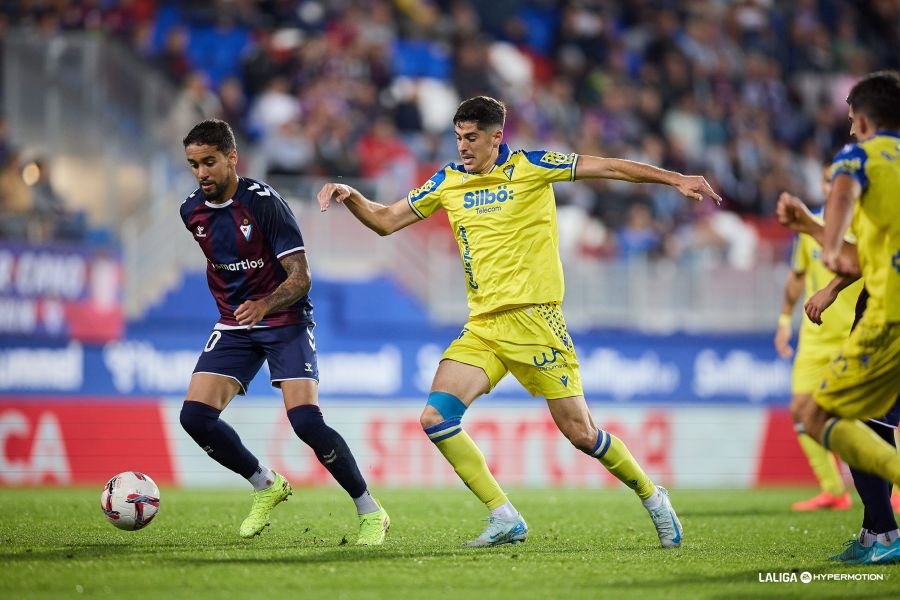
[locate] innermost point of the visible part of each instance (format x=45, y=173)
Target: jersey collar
x=223, y=205
x=888, y=133
x=503, y=156
x=237, y=192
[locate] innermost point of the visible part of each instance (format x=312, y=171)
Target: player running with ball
x=503, y=213
x=259, y=277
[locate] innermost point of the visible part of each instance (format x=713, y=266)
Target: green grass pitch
x=582, y=544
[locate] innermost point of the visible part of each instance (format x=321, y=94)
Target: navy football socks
x=875, y=492
x=330, y=448
x=217, y=438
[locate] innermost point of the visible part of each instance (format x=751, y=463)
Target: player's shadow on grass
x=125, y=549
x=756, y=511
x=324, y=556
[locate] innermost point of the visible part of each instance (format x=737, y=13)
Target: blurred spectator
x=173, y=59
x=384, y=157
x=275, y=120
x=52, y=219
x=15, y=198
x=195, y=102
x=638, y=236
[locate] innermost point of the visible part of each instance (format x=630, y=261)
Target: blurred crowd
x=750, y=93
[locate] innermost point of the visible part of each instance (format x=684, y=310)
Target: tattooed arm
x=291, y=289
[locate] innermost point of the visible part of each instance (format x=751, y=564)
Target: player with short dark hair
x=878, y=540
x=503, y=213
x=863, y=378
x=259, y=276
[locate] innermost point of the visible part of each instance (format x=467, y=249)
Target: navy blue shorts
x=239, y=354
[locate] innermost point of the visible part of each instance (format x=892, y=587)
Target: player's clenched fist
x=337, y=191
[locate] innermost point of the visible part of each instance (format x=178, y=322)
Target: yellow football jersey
x=875, y=164
x=505, y=225
x=806, y=258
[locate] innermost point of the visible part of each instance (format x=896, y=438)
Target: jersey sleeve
x=278, y=224
x=552, y=166
x=186, y=208
x=426, y=199
x=851, y=160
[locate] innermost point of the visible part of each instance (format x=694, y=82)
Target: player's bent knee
x=197, y=418
x=798, y=403
x=813, y=418
x=583, y=439
x=441, y=407
x=430, y=417
x=306, y=420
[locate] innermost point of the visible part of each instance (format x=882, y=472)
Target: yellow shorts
x=530, y=342
x=862, y=381
x=809, y=366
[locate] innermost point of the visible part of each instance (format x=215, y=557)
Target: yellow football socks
x=614, y=455
x=860, y=447
x=823, y=464
x=468, y=461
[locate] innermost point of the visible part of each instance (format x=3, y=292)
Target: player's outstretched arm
x=821, y=300
x=291, y=289
x=383, y=220
x=694, y=187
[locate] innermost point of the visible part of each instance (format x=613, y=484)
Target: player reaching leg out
x=503, y=213
x=259, y=276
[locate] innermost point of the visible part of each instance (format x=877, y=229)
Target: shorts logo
x=308, y=367
x=895, y=261
x=544, y=359
x=565, y=380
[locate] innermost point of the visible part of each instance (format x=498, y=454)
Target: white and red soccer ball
x=130, y=500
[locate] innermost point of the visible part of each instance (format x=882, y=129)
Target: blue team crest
x=247, y=229
x=508, y=171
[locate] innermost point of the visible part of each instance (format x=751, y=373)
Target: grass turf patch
x=56, y=542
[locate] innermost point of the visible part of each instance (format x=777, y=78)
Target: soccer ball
x=130, y=500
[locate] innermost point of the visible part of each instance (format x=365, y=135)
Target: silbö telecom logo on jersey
x=486, y=200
